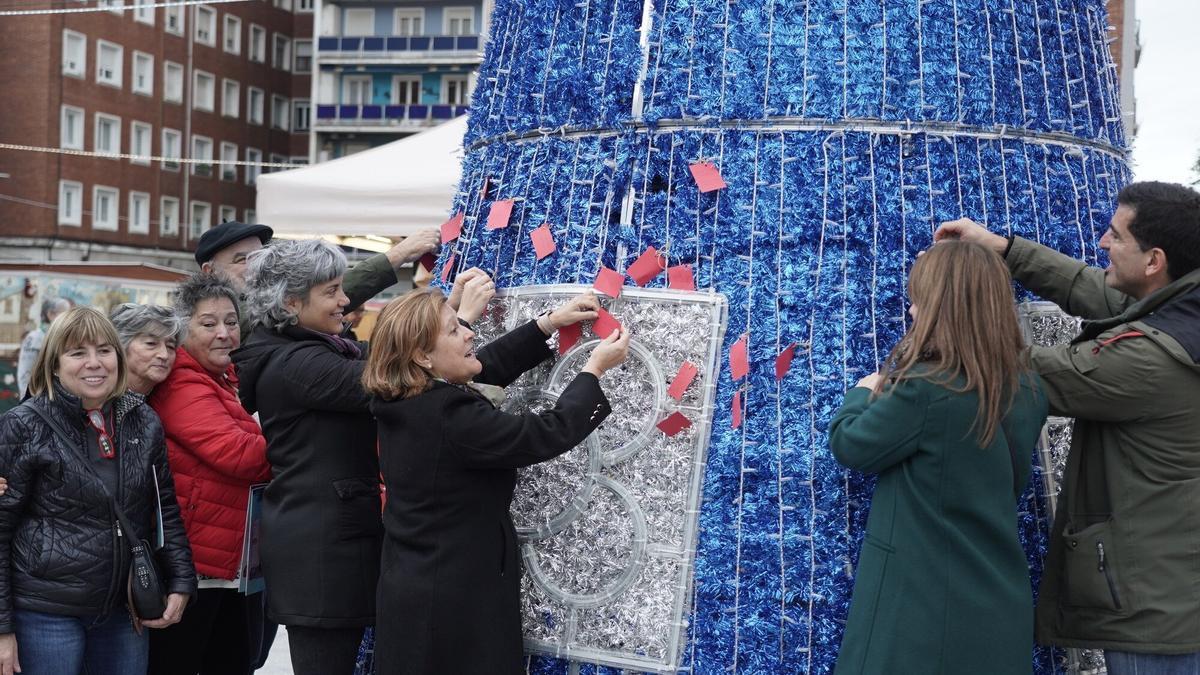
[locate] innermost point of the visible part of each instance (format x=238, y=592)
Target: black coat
x=321, y=529
x=59, y=552
x=449, y=590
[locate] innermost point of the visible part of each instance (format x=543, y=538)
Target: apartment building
x=384, y=70
x=186, y=101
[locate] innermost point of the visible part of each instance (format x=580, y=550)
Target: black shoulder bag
x=145, y=590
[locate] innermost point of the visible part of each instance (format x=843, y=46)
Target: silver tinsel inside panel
x=608, y=529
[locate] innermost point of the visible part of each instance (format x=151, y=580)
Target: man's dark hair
x=1166, y=216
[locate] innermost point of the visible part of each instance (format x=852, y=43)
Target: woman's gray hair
x=196, y=289
x=132, y=320
x=284, y=270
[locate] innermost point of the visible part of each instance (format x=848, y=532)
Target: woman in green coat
x=949, y=424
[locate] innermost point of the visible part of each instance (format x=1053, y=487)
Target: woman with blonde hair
x=78, y=453
x=949, y=425
x=448, y=599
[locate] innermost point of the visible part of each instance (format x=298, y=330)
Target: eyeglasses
x=107, y=450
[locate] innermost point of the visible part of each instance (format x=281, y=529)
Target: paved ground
x=279, y=663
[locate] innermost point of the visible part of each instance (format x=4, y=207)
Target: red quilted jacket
x=216, y=451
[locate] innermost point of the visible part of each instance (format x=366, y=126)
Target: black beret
x=227, y=233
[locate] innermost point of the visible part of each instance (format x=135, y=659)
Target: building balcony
x=343, y=117
x=408, y=49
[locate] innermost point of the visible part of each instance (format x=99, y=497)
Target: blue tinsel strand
x=846, y=130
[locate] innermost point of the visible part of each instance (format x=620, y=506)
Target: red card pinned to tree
x=609, y=282
x=543, y=241
x=680, y=278
x=499, y=215
x=649, y=264
x=683, y=380
x=448, y=267
x=568, y=336
x=783, y=362
x=707, y=176
x=674, y=423
x=739, y=364
x=428, y=261
x=737, y=408
x=605, y=324
x=452, y=228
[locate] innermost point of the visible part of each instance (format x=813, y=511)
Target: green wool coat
x=942, y=584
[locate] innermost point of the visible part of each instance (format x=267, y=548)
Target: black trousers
x=215, y=636
x=323, y=651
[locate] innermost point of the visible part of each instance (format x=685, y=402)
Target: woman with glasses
x=217, y=453
x=80, y=448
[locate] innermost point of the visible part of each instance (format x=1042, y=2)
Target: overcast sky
x=1167, y=86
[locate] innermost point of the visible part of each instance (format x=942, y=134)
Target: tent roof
x=392, y=190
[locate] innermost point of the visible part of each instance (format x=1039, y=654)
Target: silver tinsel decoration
x=608, y=529
x=1046, y=325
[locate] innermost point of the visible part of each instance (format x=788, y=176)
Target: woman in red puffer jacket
x=216, y=451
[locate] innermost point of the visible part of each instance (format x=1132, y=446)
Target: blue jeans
x=1130, y=663
x=53, y=644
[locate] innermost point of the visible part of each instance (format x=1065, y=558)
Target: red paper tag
x=452, y=228
x=683, y=380
x=783, y=362
x=568, y=336
x=609, y=282
x=675, y=423
x=543, y=241
x=680, y=277
x=737, y=408
x=649, y=264
x=499, y=215
x=739, y=364
x=448, y=267
x=428, y=261
x=707, y=176
x=605, y=324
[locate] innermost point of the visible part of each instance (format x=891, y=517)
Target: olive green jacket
x=942, y=584
x=1123, y=567
x=361, y=283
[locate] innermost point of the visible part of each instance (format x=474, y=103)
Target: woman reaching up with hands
x=448, y=598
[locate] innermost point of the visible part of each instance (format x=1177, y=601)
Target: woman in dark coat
x=942, y=585
x=68, y=452
x=449, y=588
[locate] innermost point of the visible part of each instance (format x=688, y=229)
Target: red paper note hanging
x=428, y=261
x=680, y=278
x=451, y=229
x=707, y=176
x=568, y=336
x=448, y=267
x=683, y=380
x=739, y=364
x=649, y=264
x=543, y=241
x=737, y=408
x=783, y=362
x=605, y=324
x=674, y=423
x=499, y=215
x=609, y=282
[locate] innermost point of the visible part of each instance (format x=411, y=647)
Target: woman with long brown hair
x=949, y=424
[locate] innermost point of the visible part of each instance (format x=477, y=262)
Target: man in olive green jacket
x=1123, y=568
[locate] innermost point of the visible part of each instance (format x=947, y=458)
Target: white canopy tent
x=389, y=191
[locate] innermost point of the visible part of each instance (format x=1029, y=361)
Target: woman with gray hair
x=217, y=452
x=149, y=336
x=321, y=528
